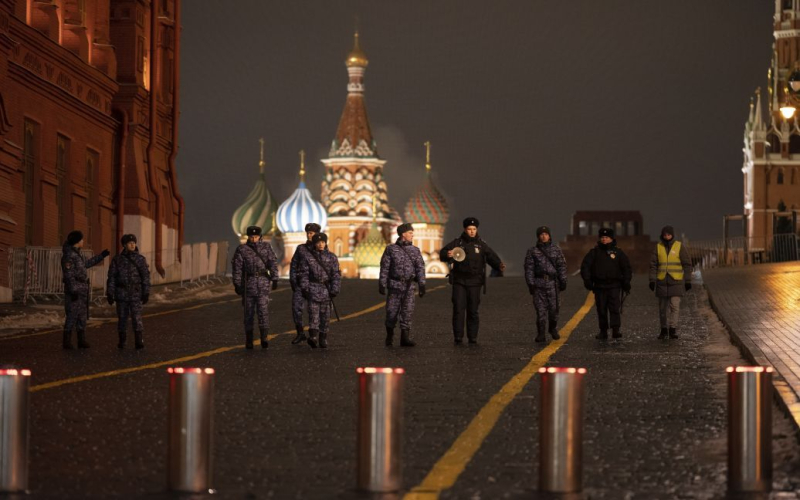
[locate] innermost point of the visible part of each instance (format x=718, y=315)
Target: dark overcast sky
x=535, y=109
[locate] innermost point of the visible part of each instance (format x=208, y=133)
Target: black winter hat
x=74, y=238
x=128, y=237
x=313, y=227
x=319, y=237
x=404, y=228
x=668, y=230
x=253, y=231
x=606, y=231
x=471, y=221
x=542, y=229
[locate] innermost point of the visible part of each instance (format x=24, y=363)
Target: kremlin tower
x=258, y=209
x=427, y=211
x=354, y=175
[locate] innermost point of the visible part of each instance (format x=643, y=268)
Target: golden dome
x=356, y=57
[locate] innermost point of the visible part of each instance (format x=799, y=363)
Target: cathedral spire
x=302, y=166
x=758, y=123
x=354, y=136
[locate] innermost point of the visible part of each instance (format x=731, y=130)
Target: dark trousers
x=608, y=302
x=466, y=300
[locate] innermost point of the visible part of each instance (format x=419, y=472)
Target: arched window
x=780, y=176
x=774, y=143
x=794, y=144
x=338, y=247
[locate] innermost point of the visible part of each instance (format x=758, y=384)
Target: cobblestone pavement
x=285, y=417
x=761, y=307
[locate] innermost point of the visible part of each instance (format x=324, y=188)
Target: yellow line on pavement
x=445, y=472
x=206, y=354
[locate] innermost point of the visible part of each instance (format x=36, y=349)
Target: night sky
x=535, y=109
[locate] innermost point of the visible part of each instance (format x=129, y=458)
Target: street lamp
x=788, y=109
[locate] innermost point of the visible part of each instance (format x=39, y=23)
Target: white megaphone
x=459, y=254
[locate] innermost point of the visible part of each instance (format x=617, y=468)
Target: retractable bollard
x=561, y=430
x=380, y=429
x=14, y=386
x=191, y=428
x=749, y=429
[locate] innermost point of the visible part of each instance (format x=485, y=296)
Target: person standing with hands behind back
x=606, y=271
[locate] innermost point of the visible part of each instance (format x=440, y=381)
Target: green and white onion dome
x=369, y=251
x=258, y=209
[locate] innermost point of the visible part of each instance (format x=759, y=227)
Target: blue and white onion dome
x=300, y=209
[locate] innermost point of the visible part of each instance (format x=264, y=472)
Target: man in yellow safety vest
x=670, y=277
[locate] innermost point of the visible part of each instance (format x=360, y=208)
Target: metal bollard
x=191, y=429
x=561, y=430
x=380, y=429
x=749, y=428
x=14, y=429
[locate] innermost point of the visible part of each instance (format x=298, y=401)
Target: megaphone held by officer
x=459, y=254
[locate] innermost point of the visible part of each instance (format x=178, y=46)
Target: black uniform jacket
x=606, y=266
x=472, y=270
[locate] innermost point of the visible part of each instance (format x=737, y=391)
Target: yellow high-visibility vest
x=670, y=264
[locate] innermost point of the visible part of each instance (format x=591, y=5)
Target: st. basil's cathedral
x=354, y=210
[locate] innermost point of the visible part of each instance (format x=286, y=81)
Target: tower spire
x=302, y=166
x=757, y=123
x=261, y=161
x=427, y=156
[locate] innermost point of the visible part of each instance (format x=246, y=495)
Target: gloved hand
x=562, y=286
x=531, y=289
x=626, y=287
x=333, y=294
x=306, y=294
x=421, y=291
x=687, y=286
x=587, y=284
x=381, y=289
x=110, y=299
x=74, y=296
x=145, y=298
x=105, y=253
x=275, y=285
x=239, y=290
x=652, y=286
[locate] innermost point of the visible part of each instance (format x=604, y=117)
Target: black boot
x=301, y=335
x=66, y=343
x=389, y=336
x=616, y=333
x=121, y=344
x=138, y=340
x=82, y=340
x=248, y=339
x=663, y=333
x=603, y=335
x=540, y=336
x=673, y=334
x=405, y=338
x=312, y=338
x=264, y=342
x=553, y=329
x=323, y=340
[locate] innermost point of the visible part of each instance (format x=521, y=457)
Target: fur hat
x=253, y=231
x=74, y=238
x=313, y=227
x=128, y=237
x=404, y=228
x=542, y=229
x=668, y=230
x=606, y=231
x=471, y=221
x=319, y=237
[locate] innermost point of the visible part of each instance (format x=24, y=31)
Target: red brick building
x=88, y=125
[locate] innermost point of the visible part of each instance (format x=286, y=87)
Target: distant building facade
x=628, y=231
x=88, y=125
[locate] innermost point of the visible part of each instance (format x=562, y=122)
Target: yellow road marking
x=445, y=472
x=122, y=371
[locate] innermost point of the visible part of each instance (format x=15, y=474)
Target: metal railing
x=35, y=272
x=741, y=250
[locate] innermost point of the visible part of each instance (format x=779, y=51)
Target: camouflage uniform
x=546, y=274
x=76, y=290
x=254, y=266
x=298, y=301
x=401, y=266
x=320, y=280
x=128, y=284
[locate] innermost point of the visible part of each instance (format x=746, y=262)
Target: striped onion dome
x=300, y=208
x=428, y=205
x=369, y=251
x=259, y=207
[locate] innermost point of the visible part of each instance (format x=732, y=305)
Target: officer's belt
x=262, y=272
x=317, y=280
x=545, y=277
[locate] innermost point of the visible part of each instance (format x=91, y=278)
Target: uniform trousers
x=466, y=300
x=545, y=300
x=76, y=311
x=400, y=303
x=668, y=310
x=129, y=309
x=256, y=305
x=320, y=313
x=608, y=302
x=299, y=303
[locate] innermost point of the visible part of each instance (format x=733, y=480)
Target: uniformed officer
x=254, y=268
x=128, y=284
x=299, y=303
x=320, y=280
x=76, y=287
x=468, y=277
x=670, y=276
x=401, y=266
x=606, y=271
x=546, y=276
